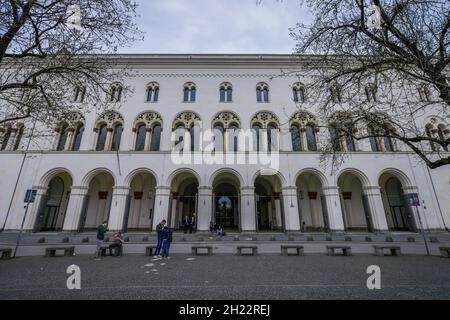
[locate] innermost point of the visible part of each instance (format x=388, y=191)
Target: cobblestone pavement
x=226, y=276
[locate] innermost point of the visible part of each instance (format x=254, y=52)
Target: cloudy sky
x=217, y=26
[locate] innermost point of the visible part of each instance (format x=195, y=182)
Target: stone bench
x=445, y=252
x=6, y=253
x=346, y=250
x=51, y=252
x=118, y=251
x=150, y=249
x=285, y=250
x=195, y=250
x=394, y=250
x=241, y=252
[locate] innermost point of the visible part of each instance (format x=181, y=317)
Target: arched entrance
x=226, y=206
x=312, y=203
x=97, y=203
x=184, y=197
x=354, y=203
x=399, y=214
x=140, y=203
x=52, y=211
x=269, y=207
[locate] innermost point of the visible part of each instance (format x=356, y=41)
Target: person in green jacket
x=101, y=231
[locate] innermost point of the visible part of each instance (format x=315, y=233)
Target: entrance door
x=262, y=209
x=51, y=215
x=399, y=218
x=225, y=211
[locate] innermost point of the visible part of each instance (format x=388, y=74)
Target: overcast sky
x=217, y=26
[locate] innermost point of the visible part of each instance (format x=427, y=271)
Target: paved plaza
x=226, y=276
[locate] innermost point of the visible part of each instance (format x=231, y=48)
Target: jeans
x=97, y=250
x=158, y=246
x=166, y=248
x=115, y=245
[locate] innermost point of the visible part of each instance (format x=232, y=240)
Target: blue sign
x=30, y=196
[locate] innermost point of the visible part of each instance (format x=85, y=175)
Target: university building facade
x=253, y=161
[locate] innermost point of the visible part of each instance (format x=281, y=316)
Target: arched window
x=298, y=91
x=6, y=136
x=311, y=137
x=271, y=137
x=116, y=93
x=79, y=94
x=387, y=140
x=373, y=138
x=335, y=139
x=262, y=92
x=140, y=138
x=218, y=137
x=152, y=92
x=78, y=136
x=371, y=92
x=336, y=93
x=256, y=137
x=117, y=136
x=296, y=138
x=63, y=137
x=226, y=92
x=195, y=138
x=101, y=141
x=156, y=138
x=349, y=137
x=424, y=93
x=189, y=91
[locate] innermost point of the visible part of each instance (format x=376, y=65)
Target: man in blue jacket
x=159, y=232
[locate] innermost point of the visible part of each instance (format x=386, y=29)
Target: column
x=69, y=140
x=93, y=139
x=334, y=209
x=226, y=140
x=56, y=139
x=148, y=139
x=75, y=208
x=290, y=205
x=286, y=139
x=117, y=210
x=109, y=139
x=264, y=140
x=187, y=140
x=248, y=209
x=161, y=210
x=204, y=214
x=376, y=208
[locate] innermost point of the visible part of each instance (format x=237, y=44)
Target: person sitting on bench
x=117, y=243
x=220, y=231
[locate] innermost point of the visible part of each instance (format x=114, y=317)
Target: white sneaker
x=155, y=257
x=159, y=256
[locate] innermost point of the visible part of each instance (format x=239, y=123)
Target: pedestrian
x=101, y=231
x=220, y=231
x=186, y=224
x=117, y=243
x=211, y=228
x=193, y=224
x=167, y=240
x=159, y=231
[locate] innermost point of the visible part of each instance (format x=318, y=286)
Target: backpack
x=169, y=235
